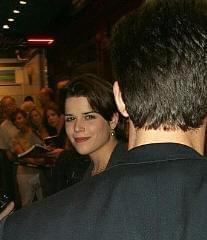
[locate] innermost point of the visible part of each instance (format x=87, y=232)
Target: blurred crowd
x=79, y=114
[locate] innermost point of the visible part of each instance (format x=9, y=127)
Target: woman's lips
x=81, y=139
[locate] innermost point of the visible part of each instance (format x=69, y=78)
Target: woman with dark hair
x=69, y=166
x=93, y=124
x=54, y=122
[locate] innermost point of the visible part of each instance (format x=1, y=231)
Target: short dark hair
x=55, y=108
x=99, y=94
x=159, y=54
x=14, y=115
x=29, y=98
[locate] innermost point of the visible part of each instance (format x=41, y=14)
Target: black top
x=61, y=136
x=159, y=193
x=117, y=156
x=69, y=169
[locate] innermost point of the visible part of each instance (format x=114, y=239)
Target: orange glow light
x=42, y=41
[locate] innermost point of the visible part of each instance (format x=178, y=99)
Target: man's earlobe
x=119, y=101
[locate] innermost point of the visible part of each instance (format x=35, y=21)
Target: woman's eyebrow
x=85, y=113
x=68, y=114
x=89, y=112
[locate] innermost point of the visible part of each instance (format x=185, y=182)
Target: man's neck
x=192, y=138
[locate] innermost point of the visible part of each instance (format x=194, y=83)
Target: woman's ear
x=114, y=120
x=119, y=101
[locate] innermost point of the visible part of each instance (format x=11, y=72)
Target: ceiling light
x=16, y=11
x=5, y=26
x=40, y=41
x=11, y=19
x=22, y=2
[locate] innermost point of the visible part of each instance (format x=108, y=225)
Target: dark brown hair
x=54, y=107
x=14, y=115
x=159, y=54
x=99, y=94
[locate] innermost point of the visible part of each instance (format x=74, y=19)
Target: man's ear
x=119, y=101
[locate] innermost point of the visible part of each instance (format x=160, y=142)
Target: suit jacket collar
x=160, y=152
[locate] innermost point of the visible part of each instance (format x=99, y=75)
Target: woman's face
x=36, y=118
x=87, y=130
x=9, y=106
x=20, y=121
x=53, y=118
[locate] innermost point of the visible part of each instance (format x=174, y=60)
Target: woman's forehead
x=72, y=102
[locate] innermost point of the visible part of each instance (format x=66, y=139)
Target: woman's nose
x=79, y=126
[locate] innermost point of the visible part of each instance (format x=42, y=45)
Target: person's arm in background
x=8, y=210
x=17, y=149
x=55, y=153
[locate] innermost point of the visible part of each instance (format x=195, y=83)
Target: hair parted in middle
x=159, y=55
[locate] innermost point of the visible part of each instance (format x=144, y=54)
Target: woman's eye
x=89, y=117
x=69, y=119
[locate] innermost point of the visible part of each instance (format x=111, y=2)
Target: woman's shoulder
x=118, y=154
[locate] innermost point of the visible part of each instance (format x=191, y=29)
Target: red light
x=40, y=41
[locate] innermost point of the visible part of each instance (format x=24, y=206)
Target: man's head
x=9, y=106
x=159, y=54
x=46, y=96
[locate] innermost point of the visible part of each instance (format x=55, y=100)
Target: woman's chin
x=81, y=151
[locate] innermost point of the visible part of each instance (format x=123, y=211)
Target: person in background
x=46, y=96
x=8, y=210
x=160, y=60
x=8, y=129
x=28, y=104
x=54, y=122
x=93, y=124
x=27, y=177
x=29, y=99
x=35, y=119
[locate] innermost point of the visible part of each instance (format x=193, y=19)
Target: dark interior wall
x=83, y=40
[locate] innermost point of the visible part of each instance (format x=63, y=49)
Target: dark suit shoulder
x=131, y=199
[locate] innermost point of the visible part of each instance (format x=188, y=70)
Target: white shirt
x=7, y=133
